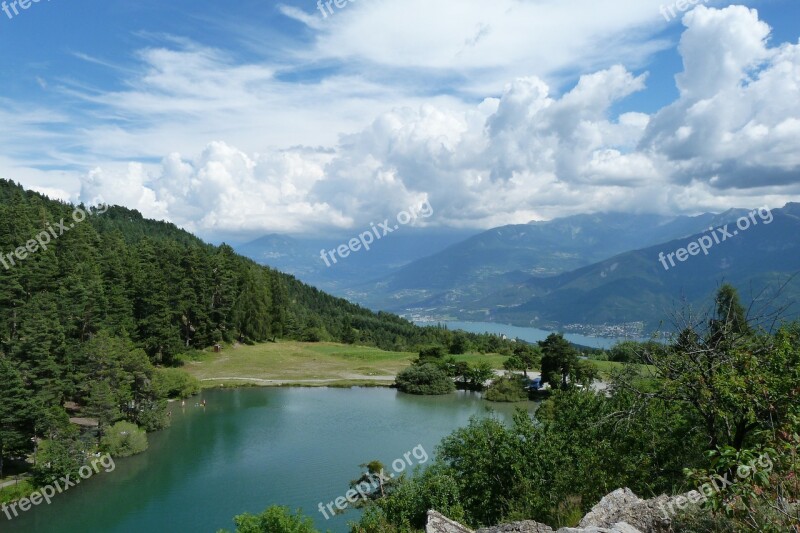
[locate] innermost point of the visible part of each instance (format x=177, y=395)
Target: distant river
x=527, y=334
x=248, y=449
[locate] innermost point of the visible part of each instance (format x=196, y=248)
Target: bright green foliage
x=407, y=506
x=765, y=482
x=174, y=383
x=735, y=383
x=479, y=374
x=507, y=389
x=539, y=470
x=274, y=520
x=514, y=364
x=427, y=379
x=625, y=352
x=718, y=399
x=374, y=520
x=472, y=454
x=124, y=439
x=634, y=351
x=59, y=456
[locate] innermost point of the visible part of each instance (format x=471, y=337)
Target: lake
x=528, y=334
x=250, y=448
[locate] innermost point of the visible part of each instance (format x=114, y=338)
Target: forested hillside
x=94, y=300
x=162, y=287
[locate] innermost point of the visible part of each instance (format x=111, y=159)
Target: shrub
x=124, y=439
x=431, y=352
x=174, y=383
x=507, y=389
x=274, y=520
x=424, y=379
x=59, y=457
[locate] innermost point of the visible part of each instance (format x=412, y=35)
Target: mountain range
x=575, y=273
x=301, y=256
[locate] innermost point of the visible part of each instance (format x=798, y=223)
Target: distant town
x=614, y=331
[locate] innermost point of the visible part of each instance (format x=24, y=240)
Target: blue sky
x=253, y=117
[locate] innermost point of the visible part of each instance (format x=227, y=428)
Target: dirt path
x=13, y=482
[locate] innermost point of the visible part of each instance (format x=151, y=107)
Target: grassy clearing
x=304, y=363
x=323, y=364
x=17, y=491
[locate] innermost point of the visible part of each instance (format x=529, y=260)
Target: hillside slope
x=635, y=286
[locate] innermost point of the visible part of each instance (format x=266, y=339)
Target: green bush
x=154, y=419
x=124, y=439
x=507, y=389
x=59, y=457
x=274, y=520
x=431, y=352
x=411, y=498
x=425, y=379
x=174, y=383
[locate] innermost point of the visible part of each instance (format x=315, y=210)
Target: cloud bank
x=730, y=139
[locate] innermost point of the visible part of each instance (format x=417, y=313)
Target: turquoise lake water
x=250, y=448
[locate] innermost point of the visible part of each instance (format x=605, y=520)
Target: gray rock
x=623, y=506
x=619, y=512
x=438, y=523
x=527, y=526
x=620, y=527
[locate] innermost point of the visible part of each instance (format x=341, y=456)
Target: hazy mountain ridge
x=576, y=271
x=301, y=256
x=459, y=277
x=634, y=286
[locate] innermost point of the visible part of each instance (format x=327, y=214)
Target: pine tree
x=16, y=416
x=252, y=309
x=118, y=313
x=40, y=349
x=157, y=329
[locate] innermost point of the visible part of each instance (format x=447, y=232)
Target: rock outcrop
x=623, y=506
x=619, y=512
x=441, y=524
x=528, y=526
